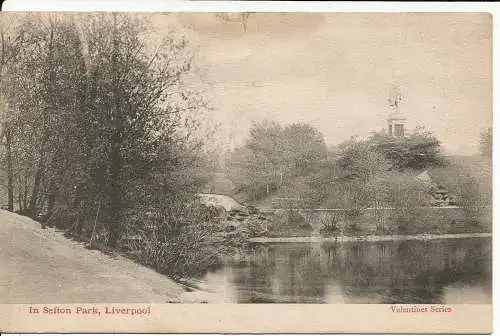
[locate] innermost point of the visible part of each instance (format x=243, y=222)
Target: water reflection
x=439, y=271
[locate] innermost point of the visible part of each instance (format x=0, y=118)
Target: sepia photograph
x=245, y=158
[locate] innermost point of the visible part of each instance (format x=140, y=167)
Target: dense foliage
x=98, y=132
x=294, y=162
x=293, y=170
x=420, y=149
x=275, y=156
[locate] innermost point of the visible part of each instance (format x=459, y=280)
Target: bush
x=331, y=224
x=180, y=245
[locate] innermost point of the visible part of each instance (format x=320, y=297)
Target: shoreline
x=371, y=238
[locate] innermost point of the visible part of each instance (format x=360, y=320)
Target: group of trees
x=380, y=170
x=292, y=164
x=294, y=161
x=97, y=125
x=98, y=132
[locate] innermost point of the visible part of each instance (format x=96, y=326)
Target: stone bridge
x=373, y=217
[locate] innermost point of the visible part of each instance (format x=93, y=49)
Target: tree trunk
x=7, y=132
x=116, y=162
x=59, y=163
x=10, y=173
x=51, y=201
x=35, y=193
x=115, y=194
x=32, y=208
x=25, y=195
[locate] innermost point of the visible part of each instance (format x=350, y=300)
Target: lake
x=448, y=271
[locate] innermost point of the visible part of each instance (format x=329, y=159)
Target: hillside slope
x=42, y=266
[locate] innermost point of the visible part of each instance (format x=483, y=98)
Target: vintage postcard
x=247, y=171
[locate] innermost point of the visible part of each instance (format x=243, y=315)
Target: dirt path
x=42, y=266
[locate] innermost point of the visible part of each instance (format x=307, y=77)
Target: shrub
x=331, y=224
x=182, y=245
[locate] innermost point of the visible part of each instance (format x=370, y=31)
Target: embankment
x=43, y=266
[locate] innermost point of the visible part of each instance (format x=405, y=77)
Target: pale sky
x=336, y=70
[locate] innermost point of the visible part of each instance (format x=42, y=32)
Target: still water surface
x=451, y=271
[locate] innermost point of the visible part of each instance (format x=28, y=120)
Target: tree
x=356, y=159
x=138, y=103
x=103, y=135
x=45, y=93
x=274, y=156
x=304, y=147
x=255, y=167
x=357, y=167
x=12, y=39
x=418, y=150
x=370, y=171
x=104, y=124
x=486, y=142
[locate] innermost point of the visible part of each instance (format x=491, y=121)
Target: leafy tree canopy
x=418, y=150
x=274, y=155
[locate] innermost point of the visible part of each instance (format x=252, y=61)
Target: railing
x=378, y=208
